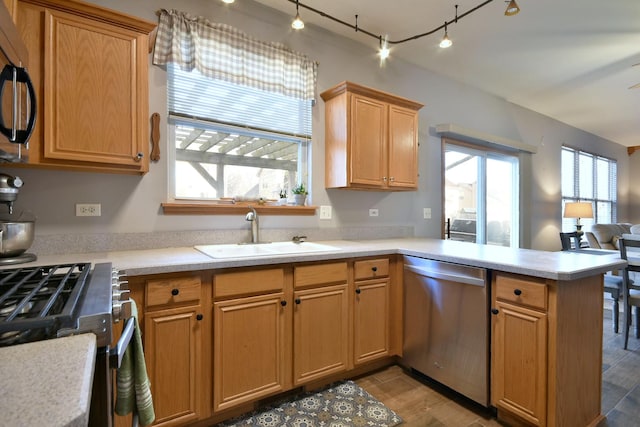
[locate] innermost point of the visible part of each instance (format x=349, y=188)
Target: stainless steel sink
x=262, y=249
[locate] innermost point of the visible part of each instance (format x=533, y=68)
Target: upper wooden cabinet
x=89, y=67
x=371, y=139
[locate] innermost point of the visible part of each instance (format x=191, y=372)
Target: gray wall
x=131, y=204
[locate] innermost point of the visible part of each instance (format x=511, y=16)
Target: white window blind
x=192, y=95
x=588, y=177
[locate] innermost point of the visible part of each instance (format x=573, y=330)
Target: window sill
x=234, y=209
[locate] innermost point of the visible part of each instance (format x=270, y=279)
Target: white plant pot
x=299, y=199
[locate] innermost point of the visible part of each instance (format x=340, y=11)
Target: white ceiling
x=568, y=59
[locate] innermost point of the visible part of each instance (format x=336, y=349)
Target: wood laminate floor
x=425, y=405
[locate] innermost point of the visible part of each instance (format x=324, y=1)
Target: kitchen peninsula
x=546, y=362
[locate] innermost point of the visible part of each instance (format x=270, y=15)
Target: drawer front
x=248, y=282
x=371, y=268
x=520, y=291
x=173, y=291
x=319, y=274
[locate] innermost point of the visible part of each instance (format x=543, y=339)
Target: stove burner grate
x=37, y=301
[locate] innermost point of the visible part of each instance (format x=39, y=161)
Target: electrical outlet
x=325, y=212
x=88, y=209
x=373, y=212
x=426, y=212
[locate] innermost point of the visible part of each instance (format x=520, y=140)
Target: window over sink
x=240, y=111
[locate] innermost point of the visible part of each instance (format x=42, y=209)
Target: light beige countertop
x=47, y=383
x=550, y=265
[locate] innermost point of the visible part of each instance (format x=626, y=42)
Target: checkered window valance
x=222, y=52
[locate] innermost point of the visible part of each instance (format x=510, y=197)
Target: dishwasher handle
x=453, y=277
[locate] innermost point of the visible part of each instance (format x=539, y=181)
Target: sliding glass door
x=481, y=196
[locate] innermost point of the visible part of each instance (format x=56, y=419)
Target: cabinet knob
x=175, y=292
x=283, y=303
x=517, y=292
x=374, y=269
x=392, y=179
x=298, y=301
x=384, y=179
x=138, y=157
x=358, y=291
x=494, y=311
x=199, y=316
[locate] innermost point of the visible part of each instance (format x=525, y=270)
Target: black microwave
x=17, y=95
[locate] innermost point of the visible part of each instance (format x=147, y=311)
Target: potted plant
x=299, y=195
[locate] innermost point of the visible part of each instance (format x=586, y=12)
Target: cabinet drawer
x=318, y=274
x=173, y=291
x=520, y=291
x=371, y=268
x=248, y=282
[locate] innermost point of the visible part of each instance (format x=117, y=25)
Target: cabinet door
x=368, y=136
x=173, y=349
x=403, y=147
x=320, y=332
x=519, y=366
x=371, y=320
x=249, y=347
x=95, y=91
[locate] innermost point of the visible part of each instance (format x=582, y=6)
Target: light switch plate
x=325, y=212
x=373, y=212
x=426, y=213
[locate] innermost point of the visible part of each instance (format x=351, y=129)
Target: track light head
x=297, y=23
x=384, y=48
x=446, y=41
x=512, y=8
x=228, y=1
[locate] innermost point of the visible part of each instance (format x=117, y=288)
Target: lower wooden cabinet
x=217, y=341
x=520, y=362
x=320, y=332
x=371, y=310
x=174, y=358
x=546, y=350
x=371, y=321
x=249, y=349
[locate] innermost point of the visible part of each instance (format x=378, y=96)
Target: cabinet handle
x=138, y=157
x=358, y=291
x=494, y=311
x=298, y=301
x=283, y=303
x=517, y=292
x=374, y=269
x=175, y=292
x=392, y=179
x=199, y=316
x=384, y=179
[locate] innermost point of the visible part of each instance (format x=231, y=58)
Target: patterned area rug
x=343, y=405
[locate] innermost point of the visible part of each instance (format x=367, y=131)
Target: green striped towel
x=132, y=382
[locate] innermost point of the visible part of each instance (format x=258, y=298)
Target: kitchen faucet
x=252, y=216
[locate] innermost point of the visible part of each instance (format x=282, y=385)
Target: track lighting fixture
x=512, y=8
x=228, y=1
x=445, y=42
x=297, y=23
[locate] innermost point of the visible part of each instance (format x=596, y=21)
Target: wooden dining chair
x=612, y=284
x=630, y=291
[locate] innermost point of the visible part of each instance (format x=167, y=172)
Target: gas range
x=43, y=302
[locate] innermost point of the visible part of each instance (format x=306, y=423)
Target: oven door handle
x=116, y=354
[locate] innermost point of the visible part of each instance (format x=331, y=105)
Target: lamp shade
x=578, y=210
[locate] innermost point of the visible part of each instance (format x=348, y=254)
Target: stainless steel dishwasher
x=446, y=324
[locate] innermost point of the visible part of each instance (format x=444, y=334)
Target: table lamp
x=578, y=210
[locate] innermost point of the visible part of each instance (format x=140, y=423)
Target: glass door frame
x=485, y=153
